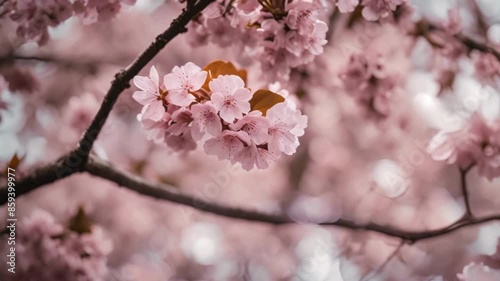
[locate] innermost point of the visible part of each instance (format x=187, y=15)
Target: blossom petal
x=180, y=98
x=154, y=111
x=144, y=98
x=146, y=84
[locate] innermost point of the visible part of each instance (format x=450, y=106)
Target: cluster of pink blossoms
x=99, y=10
x=367, y=80
x=372, y=9
x=34, y=17
x=221, y=113
x=280, y=34
x=476, y=144
x=49, y=252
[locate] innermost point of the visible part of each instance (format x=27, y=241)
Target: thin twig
x=424, y=27
x=229, y=7
x=85, y=64
x=463, y=184
x=381, y=268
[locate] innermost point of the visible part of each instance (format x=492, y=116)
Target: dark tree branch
x=169, y=193
x=44, y=175
x=424, y=28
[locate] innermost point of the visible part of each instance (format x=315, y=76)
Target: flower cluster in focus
x=213, y=106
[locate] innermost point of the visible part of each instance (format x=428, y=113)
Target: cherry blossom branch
x=472, y=44
x=424, y=27
x=371, y=275
x=99, y=168
x=122, y=78
x=75, y=160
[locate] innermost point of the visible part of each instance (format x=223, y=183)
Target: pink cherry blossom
x=302, y=15
x=255, y=125
x=227, y=145
x=205, y=120
x=478, y=143
x=155, y=130
x=290, y=39
x=230, y=97
x=454, y=23
x=150, y=95
x=486, y=136
x=356, y=73
x=347, y=6
x=181, y=118
x=366, y=78
x=452, y=147
x=66, y=255
x=286, y=125
x=182, y=82
x=293, y=46
x=35, y=17
x=182, y=142
x=315, y=42
x=375, y=9
x=487, y=68
x=99, y=10
x=252, y=155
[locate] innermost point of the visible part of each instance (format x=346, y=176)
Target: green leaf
x=264, y=99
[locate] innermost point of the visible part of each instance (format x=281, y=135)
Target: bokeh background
x=352, y=163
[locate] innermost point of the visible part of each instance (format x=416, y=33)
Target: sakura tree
x=323, y=140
